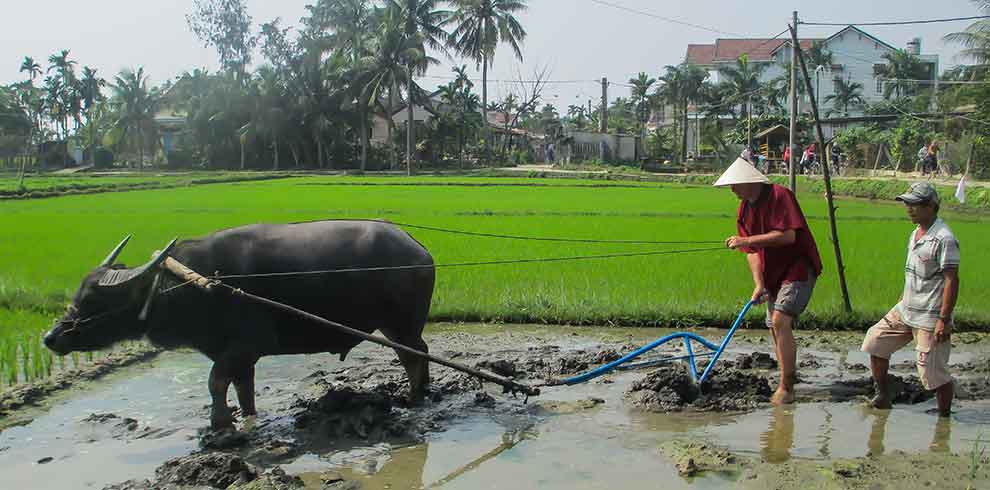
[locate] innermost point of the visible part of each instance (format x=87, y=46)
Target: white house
x=855, y=56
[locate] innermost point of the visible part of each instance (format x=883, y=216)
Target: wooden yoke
x=187, y=275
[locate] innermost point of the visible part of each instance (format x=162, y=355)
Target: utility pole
x=749, y=121
x=603, y=120
x=793, y=129
x=841, y=268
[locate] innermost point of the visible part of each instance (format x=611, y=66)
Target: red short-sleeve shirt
x=778, y=209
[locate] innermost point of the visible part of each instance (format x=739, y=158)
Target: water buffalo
x=115, y=303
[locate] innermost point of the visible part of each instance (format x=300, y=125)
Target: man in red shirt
x=782, y=256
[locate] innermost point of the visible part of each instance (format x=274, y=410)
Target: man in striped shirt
x=924, y=313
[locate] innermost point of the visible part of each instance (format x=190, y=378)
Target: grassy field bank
x=51, y=243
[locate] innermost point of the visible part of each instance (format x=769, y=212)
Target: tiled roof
x=731, y=49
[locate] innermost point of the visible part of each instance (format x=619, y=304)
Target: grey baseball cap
x=920, y=192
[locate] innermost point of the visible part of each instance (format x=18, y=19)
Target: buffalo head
x=106, y=308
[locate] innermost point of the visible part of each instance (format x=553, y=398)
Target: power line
x=666, y=19
x=545, y=82
x=895, y=23
x=940, y=82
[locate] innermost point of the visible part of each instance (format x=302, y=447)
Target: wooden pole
x=877, y=163
x=972, y=148
x=791, y=164
x=188, y=275
x=828, y=182
x=603, y=121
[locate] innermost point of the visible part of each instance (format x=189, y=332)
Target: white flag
x=961, y=190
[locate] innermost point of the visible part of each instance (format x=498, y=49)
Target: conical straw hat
x=741, y=172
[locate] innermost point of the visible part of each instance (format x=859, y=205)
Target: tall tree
x=32, y=68
x=423, y=21
x=135, y=105
x=641, y=94
x=900, y=71
x=975, y=39
x=226, y=26
x=91, y=86
x=846, y=94
x=744, y=80
x=480, y=26
x=394, y=51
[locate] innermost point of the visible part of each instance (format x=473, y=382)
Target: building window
x=835, y=85
x=879, y=86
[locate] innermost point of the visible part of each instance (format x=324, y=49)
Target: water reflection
x=778, y=439
x=781, y=440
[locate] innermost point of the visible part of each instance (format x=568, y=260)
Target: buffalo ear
x=107, y=262
x=120, y=277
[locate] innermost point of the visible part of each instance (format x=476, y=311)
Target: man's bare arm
x=775, y=238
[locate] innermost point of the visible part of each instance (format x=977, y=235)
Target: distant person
x=550, y=154
x=782, y=256
x=924, y=312
x=931, y=159
x=808, y=158
x=836, y=156
x=922, y=156
x=747, y=154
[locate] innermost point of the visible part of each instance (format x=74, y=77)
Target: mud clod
x=756, y=360
x=672, y=389
x=500, y=367
x=216, y=470
x=693, y=457
x=343, y=412
x=224, y=439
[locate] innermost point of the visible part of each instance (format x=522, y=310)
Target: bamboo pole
x=828, y=180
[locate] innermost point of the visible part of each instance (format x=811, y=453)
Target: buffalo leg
x=417, y=369
x=244, y=384
x=220, y=415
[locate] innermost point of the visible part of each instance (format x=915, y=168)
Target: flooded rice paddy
x=125, y=426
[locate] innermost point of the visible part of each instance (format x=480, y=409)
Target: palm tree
x=683, y=84
x=744, y=79
x=90, y=86
x=641, y=94
x=846, y=94
x=422, y=20
x=135, y=105
x=347, y=21
x=901, y=68
x=481, y=25
x=577, y=114
x=267, y=116
x=777, y=92
x=976, y=38
x=31, y=67
x=375, y=75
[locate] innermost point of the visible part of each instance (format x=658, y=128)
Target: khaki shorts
x=792, y=298
x=890, y=334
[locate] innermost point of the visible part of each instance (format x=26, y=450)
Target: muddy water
x=553, y=442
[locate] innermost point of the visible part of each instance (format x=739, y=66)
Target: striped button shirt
x=924, y=279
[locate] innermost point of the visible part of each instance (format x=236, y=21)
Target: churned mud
x=324, y=424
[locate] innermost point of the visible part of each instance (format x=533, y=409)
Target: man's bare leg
x=879, y=367
x=943, y=397
x=786, y=348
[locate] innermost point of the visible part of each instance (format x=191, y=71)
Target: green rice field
x=48, y=245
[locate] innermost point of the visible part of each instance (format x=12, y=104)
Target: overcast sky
x=576, y=39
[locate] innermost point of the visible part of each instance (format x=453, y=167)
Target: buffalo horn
x=107, y=262
x=118, y=277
